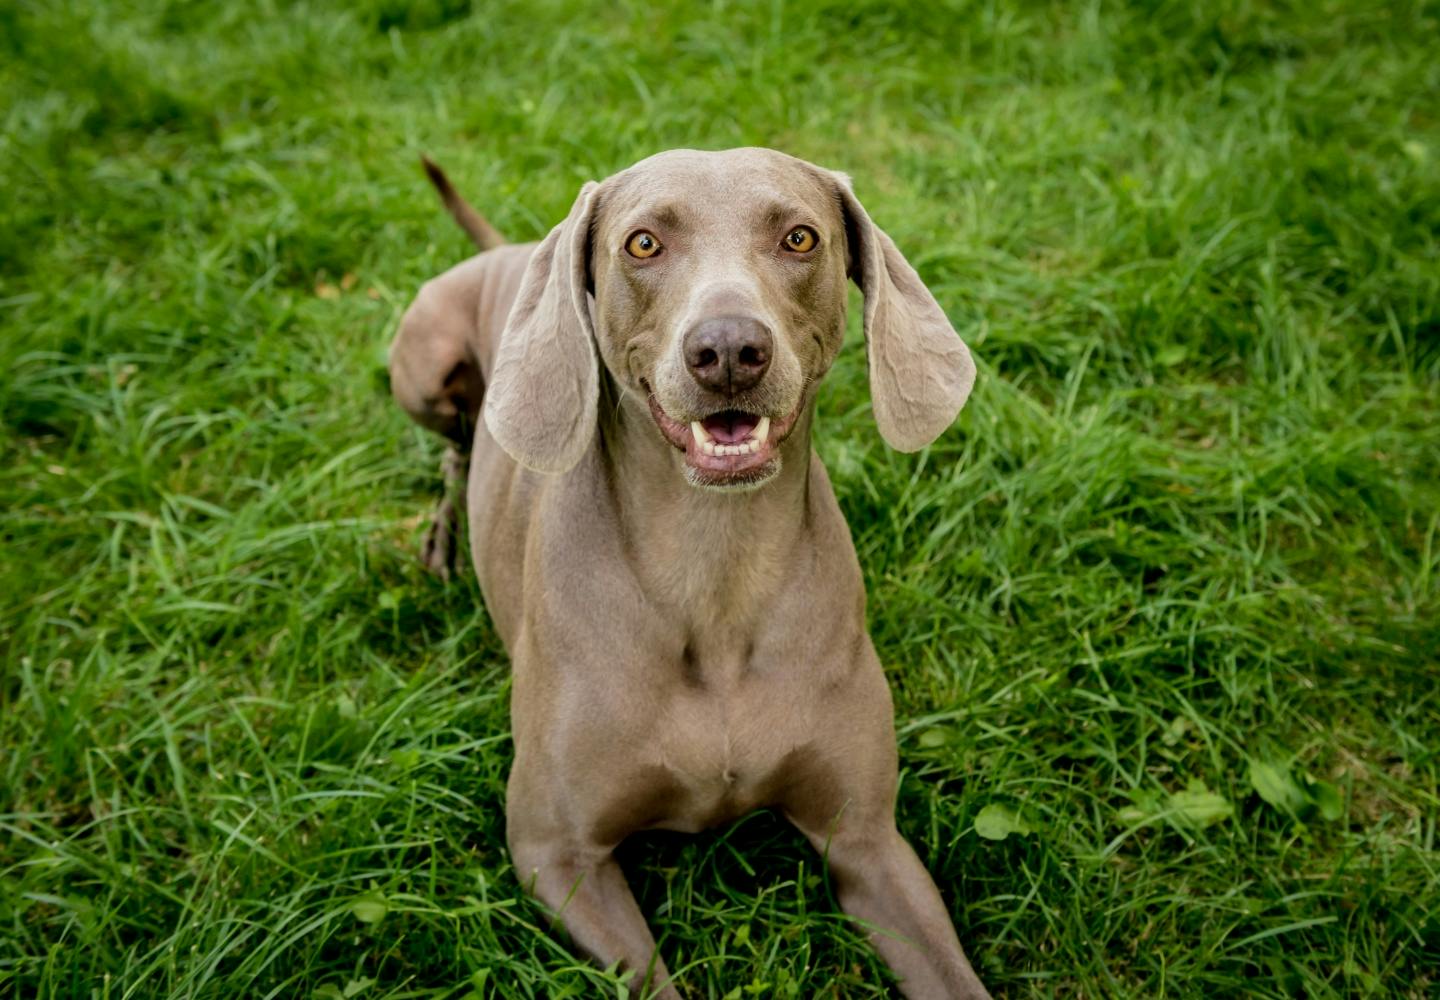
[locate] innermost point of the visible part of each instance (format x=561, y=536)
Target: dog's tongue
x=730, y=426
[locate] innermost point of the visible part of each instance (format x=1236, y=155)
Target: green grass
x=1187, y=529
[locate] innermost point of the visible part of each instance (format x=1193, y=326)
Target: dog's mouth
x=728, y=447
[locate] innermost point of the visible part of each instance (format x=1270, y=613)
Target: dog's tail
x=481, y=233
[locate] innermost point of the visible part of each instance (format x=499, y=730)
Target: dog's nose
x=728, y=354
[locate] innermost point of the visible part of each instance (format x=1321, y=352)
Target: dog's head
x=711, y=286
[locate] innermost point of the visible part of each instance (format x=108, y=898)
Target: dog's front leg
x=587, y=892
x=880, y=881
x=579, y=881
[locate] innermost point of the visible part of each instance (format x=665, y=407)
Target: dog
x=630, y=404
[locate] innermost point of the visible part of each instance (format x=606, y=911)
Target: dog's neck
x=716, y=557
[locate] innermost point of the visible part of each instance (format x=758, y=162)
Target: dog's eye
x=801, y=239
x=642, y=245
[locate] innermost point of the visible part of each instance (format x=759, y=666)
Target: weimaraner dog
x=658, y=544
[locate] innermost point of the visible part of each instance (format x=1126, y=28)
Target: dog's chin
x=729, y=450
x=737, y=481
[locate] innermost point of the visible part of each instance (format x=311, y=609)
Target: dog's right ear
x=542, y=396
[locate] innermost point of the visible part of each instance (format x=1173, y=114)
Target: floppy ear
x=541, y=400
x=920, y=370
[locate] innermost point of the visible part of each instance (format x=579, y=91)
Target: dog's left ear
x=541, y=399
x=920, y=370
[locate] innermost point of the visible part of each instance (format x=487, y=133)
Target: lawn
x=1161, y=611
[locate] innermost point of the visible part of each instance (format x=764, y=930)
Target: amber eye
x=642, y=245
x=801, y=239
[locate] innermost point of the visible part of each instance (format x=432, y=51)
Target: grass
x=1168, y=596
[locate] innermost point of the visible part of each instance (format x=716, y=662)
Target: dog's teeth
x=698, y=429
x=761, y=431
x=708, y=447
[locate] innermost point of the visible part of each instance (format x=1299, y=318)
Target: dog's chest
x=726, y=748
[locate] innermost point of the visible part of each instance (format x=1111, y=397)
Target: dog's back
x=443, y=352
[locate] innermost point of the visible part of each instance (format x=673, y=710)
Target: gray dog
x=657, y=543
